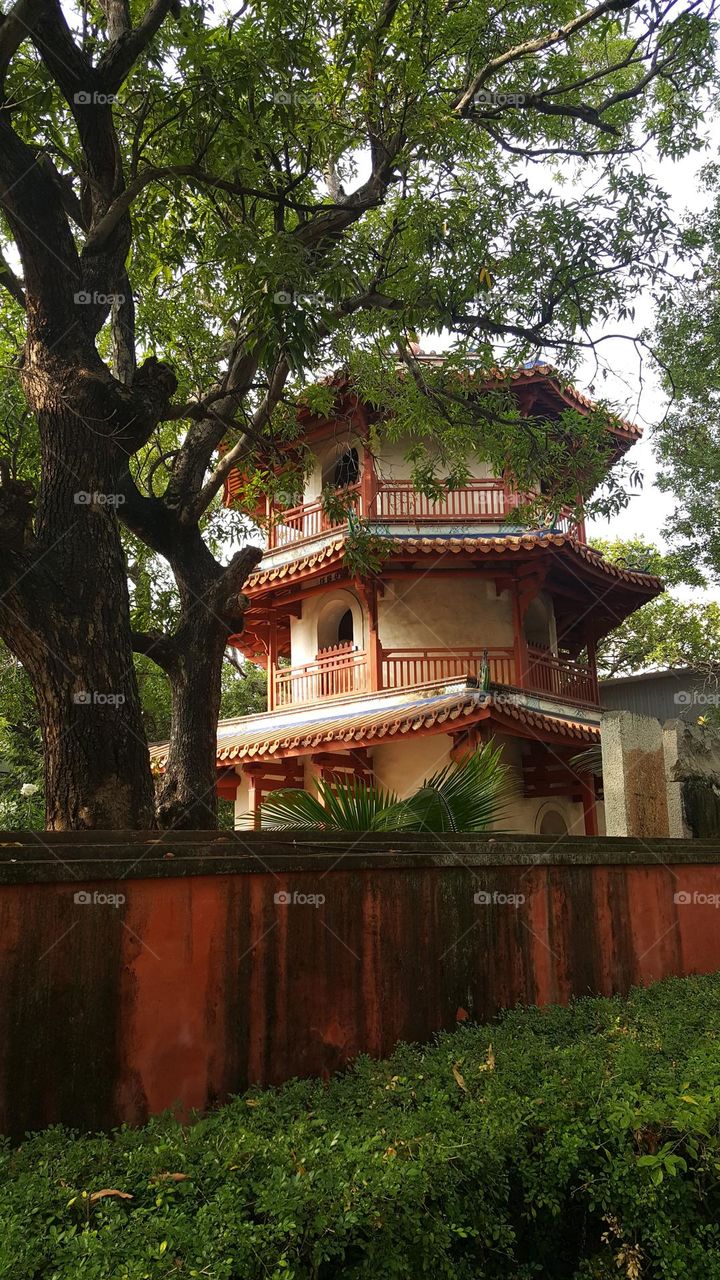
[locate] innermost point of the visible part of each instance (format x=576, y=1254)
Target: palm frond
x=588, y=761
x=338, y=806
x=469, y=796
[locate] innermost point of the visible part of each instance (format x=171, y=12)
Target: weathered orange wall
x=201, y=984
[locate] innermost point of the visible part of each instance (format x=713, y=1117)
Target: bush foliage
x=559, y=1142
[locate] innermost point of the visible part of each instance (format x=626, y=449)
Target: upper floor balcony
x=397, y=502
x=346, y=671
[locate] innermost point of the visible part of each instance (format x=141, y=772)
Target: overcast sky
x=638, y=392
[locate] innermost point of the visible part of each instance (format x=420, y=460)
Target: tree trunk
x=212, y=609
x=66, y=617
x=187, y=795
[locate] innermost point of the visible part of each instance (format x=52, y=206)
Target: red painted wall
x=200, y=983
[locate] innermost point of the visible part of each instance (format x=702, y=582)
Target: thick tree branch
x=118, y=61
x=15, y=27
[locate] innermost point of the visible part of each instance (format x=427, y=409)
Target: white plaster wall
x=242, y=805
x=392, y=464
x=437, y=613
x=304, y=630
x=403, y=766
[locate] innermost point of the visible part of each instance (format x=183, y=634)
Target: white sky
x=638, y=392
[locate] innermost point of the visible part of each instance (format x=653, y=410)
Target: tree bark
x=187, y=795
x=65, y=614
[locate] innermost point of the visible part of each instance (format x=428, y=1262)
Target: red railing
x=477, y=500
x=560, y=678
x=404, y=667
x=297, y=524
x=340, y=674
x=397, y=500
x=336, y=675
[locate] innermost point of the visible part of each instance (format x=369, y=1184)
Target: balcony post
x=272, y=659
x=592, y=659
x=374, y=650
x=519, y=643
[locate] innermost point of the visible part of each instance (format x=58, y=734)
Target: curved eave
x=252, y=739
x=331, y=553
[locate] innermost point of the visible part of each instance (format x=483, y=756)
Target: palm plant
x=468, y=796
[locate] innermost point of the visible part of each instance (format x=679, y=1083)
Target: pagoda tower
x=473, y=627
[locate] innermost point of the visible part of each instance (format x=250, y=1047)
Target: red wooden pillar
x=519, y=642
x=592, y=658
x=272, y=659
x=374, y=647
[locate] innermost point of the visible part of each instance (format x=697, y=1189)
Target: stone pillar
x=692, y=767
x=634, y=778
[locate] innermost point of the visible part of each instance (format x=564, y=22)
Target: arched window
x=538, y=623
x=552, y=823
x=337, y=625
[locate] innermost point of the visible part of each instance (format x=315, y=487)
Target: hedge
x=558, y=1142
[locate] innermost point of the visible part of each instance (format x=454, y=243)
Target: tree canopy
x=668, y=631
x=204, y=214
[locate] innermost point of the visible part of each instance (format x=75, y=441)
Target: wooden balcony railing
x=404, y=667
x=297, y=524
x=334, y=676
x=397, y=500
x=560, y=678
x=477, y=500
x=341, y=674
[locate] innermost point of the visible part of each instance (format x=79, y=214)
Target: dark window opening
x=345, y=628
x=347, y=469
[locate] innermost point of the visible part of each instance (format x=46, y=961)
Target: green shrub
x=560, y=1142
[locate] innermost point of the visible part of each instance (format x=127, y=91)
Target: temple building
x=473, y=627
